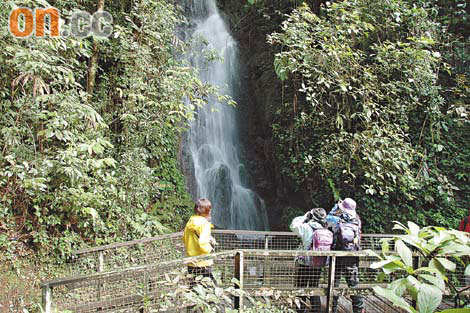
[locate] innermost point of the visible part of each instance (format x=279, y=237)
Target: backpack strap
x=313, y=236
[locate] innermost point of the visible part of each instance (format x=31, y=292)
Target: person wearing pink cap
x=346, y=226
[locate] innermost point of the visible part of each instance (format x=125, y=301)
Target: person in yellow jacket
x=197, y=238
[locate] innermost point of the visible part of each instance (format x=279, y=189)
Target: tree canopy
x=371, y=110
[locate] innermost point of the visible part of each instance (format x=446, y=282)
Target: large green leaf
x=431, y=270
x=380, y=264
x=393, y=267
x=455, y=249
x=398, y=226
x=413, y=240
x=399, y=286
x=414, y=229
x=437, y=266
x=413, y=285
x=373, y=253
x=385, y=245
x=404, y=252
x=447, y=264
x=436, y=281
x=390, y=295
x=429, y=298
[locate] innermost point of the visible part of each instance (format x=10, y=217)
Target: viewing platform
x=149, y=275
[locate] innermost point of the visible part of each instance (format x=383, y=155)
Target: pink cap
x=347, y=204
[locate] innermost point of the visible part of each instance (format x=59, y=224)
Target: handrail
x=126, y=243
x=217, y=231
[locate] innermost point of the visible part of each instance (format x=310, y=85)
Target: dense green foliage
x=427, y=283
x=94, y=168
x=376, y=107
x=208, y=297
x=377, y=113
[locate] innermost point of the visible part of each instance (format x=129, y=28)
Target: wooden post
x=146, y=292
x=100, y=268
x=100, y=261
x=331, y=284
x=238, y=273
x=47, y=298
x=415, y=266
x=265, y=261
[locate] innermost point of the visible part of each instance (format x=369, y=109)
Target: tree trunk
x=94, y=60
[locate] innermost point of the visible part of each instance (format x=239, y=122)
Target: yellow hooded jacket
x=196, y=237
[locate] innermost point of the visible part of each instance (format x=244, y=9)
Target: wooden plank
x=379, y=235
x=268, y=292
x=331, y=283
x=372, y=305
x=252, y=232
x=238, y=273
x=294, y=253
x=47, y=298
x=344, y=305
x=388, y=304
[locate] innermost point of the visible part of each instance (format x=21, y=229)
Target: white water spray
x=213, y=137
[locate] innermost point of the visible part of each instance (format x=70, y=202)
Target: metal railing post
x=100, y=268
x=415, y=265
x=265, y=261
x=331, y=284
x=146, y=290
x=47, y=298
x=238, y=273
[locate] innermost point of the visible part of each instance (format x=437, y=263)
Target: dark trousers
x=348, y=267
x=308, y=277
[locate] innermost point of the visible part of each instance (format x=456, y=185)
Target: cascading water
x=213, y=139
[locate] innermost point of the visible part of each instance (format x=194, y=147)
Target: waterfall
x=213, y=141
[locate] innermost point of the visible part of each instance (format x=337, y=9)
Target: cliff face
x=260, y=93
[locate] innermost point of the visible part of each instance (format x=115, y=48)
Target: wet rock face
x=261, y=94
x=187, y=167
x=222, y=195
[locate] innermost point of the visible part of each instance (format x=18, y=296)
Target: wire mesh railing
x=151, y=275
x=127, y=254
x=170, y=247
x=271, y=275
